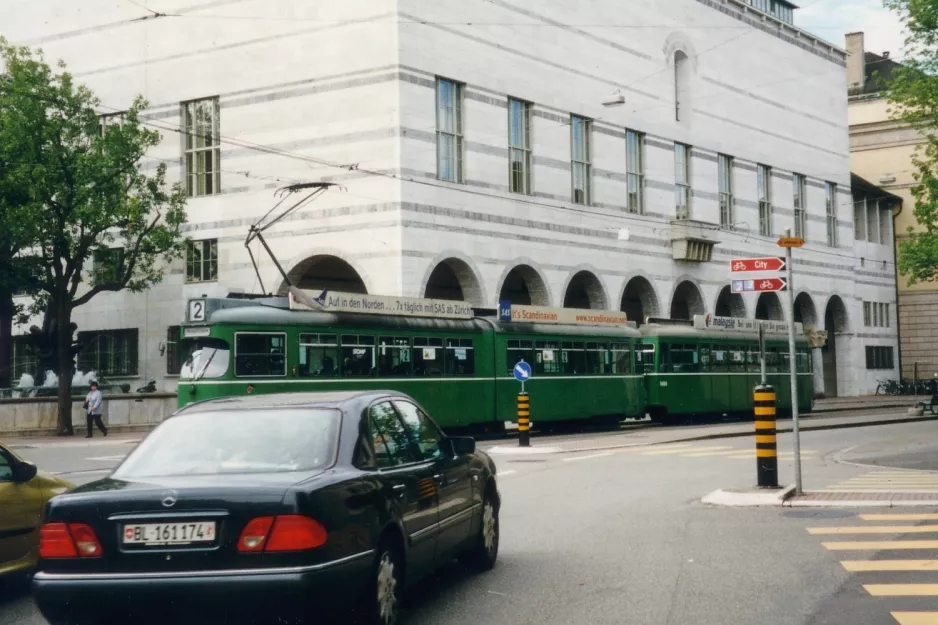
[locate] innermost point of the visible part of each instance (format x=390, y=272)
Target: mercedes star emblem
x=169, y=499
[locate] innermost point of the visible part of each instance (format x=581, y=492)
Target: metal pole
x=766, y=442
x=793, y=367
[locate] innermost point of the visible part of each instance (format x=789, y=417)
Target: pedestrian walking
x=93, y=407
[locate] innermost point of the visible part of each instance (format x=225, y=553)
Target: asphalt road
x=620, y=537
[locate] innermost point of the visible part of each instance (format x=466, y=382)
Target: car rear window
x=237, y=441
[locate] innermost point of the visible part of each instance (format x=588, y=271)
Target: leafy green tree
x=90, y=194
x=913, y=98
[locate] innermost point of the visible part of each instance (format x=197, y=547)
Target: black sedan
x=270, y=508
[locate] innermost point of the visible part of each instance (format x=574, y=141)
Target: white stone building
x=418, y=108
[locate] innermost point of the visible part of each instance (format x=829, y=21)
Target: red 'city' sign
x=772, y=263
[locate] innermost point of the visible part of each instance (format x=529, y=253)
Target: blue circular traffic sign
x=522, y=371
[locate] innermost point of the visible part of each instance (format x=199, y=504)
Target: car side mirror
x=463, y=445
x=24, y=472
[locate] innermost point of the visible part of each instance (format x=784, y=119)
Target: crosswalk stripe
x=928, y=516
x=874, y=529
x=872, y=566
x=916, y=618
x=902, y=590
x=880, y=545
x=575, y=459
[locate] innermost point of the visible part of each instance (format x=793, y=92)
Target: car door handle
x=439, y=478
x=399, y=488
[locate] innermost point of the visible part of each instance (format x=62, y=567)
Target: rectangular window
x=108, y=265
x=867, y=315
x=798, y=192
x=885, y=218
x=581, y=179
x=872, y=221
x=428, y=357
x=460, y=357
x=573, y=358
x=202, y=261
x=598, y=359
x=547, y=358
x=874, y=309
x=261, y=355
x=682, y=174
x=887, y=321
x=108, y=352
x=620, y=358
x=635, y=170
x=318, y=355
x=859, y=218
x=764, y=184
x=202, y=147
x=519, y=146
x=358, y=356
x=725, y=172
x=830, y=202
x=173, y=354
x=449, y=130
x=879, y=357
x=517, y=351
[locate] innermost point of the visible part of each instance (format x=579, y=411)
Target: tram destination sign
x=737, y=324
x=329, y=301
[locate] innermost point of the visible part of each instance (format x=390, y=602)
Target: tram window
x=753, y=364
x=518, y=351
x=737, y=358
x=260, y=355
x=547, y=357
x=358, y=355
x=646, y=358
x=394, y=356
x=318, y=355
x=771, y=360
x=598, y=359
x=704, y=351
x=803, y=361
x=621, y=356
x=783, y=361
x=460, y=357
x=681, y=358
x=720, y=361
x=573, y=358
x=428, y=357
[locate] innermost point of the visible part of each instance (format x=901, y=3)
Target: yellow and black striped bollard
x=766, y=443
x=524, y=420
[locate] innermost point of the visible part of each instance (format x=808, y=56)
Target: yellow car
x=23, y=496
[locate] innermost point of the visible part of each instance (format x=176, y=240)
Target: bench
x=929, y=405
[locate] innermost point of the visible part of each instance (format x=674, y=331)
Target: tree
x=85, y=179
x=913, y=97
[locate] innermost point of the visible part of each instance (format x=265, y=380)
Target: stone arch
x=584, y=289
x=836, y=319
x=523, y=284
x=454, y=278
x=805, y=311
x=639, y=300
x=687, y=300
x=325, y=271
x=729, y=304
x=769, y=307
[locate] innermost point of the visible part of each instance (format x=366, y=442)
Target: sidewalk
x=866, y=402
x=643, y=435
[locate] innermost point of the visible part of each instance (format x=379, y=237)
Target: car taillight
x=296, y=533
x=290, y=532
x=85, y=540
x=255, y=534
x=72, y=540
x=56, y=542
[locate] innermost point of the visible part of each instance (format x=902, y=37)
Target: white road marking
x=108, y=458
x=587, y=457
x=509, y=472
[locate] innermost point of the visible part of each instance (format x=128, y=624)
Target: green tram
x=460, y=370
x=692, y=369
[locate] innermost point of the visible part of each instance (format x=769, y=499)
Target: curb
x=881, y=503
x=523, y=451
x=749, y=499
x=53, y=432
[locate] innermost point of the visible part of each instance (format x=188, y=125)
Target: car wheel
x=383, y=599
x=482, y=554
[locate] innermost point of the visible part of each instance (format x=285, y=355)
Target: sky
x=832, y=19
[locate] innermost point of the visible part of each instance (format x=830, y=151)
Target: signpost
x=761, y=285
x=522, y=373
x=789, y=242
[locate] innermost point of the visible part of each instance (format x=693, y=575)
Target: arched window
x=681, y=81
